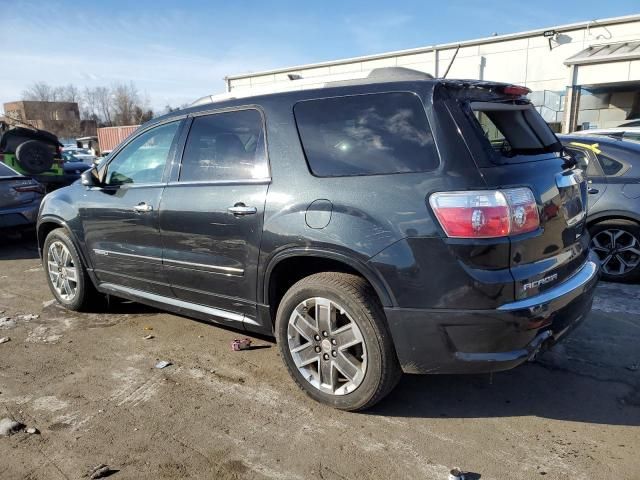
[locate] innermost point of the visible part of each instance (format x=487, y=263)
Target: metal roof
x=445, y=46
x=609, y=52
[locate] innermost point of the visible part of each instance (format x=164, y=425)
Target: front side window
x=225, y=146
x=372, y=134
x=144, y=159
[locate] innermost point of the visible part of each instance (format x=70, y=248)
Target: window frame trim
x=176, y=167
x=426, y=115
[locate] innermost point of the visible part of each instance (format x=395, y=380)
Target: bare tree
x=39, y=91
x=70, y=93
x=104, y=105
x=125, y=99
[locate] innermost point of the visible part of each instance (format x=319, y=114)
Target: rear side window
x=370, y=134
x=225, y=146
x=514, y=130
x=609, y=165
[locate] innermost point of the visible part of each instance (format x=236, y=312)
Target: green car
x=37, y=154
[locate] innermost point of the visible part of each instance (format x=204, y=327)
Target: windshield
x=514, y=130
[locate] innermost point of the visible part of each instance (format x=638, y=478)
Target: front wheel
x=617, y=244
x=66, y=276
x=334, y=341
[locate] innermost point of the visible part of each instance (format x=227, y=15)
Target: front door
x=211, y=214
x=120, y=217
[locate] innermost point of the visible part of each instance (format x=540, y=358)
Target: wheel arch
x=47, y=224
x=612, y=215
x=315, y=261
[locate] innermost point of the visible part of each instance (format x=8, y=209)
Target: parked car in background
x=20, y=198
x=626, y=132
x=79, y=155
x=612, y=167
x=38, y=154
x=396, y=223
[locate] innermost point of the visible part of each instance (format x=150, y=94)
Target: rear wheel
x=66, y=276
x=617, y=244
x=334, y=341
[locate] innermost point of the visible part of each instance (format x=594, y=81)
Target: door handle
x=142, y=208
x=593, y=191
x=240, y=209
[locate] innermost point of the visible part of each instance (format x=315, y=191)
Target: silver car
x=20, y=199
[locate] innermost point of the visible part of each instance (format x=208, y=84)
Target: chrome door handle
x=242, y=209
x=142, y=208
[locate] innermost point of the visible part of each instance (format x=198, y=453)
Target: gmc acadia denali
x=393, y=224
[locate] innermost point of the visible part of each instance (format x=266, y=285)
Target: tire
x=34, y=156
x=84, y=293
x=617, y=244
x=371, y=357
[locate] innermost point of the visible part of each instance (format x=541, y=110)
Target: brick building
x=60, y=118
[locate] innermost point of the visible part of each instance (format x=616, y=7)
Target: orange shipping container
x=110, y=137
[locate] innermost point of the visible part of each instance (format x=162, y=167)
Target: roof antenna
x=294, y=76
x=451, y=62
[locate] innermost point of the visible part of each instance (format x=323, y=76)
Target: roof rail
x=377, y=75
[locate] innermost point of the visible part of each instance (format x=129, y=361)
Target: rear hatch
x=514, y=147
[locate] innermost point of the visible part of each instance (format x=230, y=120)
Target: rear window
x=514, y=130
x=371, y=134
x=6, y=171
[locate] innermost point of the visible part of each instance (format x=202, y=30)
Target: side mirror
x=90, y=178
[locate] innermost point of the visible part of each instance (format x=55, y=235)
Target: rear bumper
x=474, y=341
x=22, y=216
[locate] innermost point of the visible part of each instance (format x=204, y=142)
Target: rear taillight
x=30, y=187
x=486, y=213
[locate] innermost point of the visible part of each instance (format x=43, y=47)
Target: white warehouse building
x=582, y=75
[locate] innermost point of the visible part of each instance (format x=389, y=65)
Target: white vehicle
x=626, y=131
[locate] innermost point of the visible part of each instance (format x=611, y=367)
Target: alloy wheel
x=63, y=273
x=327, y=346
x=618, y=250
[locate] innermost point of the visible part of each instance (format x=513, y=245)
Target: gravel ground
x=87, y=382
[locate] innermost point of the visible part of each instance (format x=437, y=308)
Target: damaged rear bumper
x=475, y=341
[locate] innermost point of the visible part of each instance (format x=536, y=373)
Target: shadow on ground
x=16, y=246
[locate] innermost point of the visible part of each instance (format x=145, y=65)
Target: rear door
x=522, y=151
x=212, y=213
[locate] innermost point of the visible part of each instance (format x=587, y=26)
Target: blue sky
x=176, y=51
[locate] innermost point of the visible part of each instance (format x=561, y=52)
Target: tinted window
x=366, y=135
x=584, y=162
x=225, y=146
x=143, y=160
x=514, y=129
x=609, y=165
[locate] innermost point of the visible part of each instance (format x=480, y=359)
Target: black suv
x=396, y=223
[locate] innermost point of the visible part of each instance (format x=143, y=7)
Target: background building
x=59, y=118
x=582, y=75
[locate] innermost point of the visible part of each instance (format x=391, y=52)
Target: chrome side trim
x=248, y=181
x=585, y=275
x=107, y=253
x=204, y=266
x=215, y=312
x=169, y=262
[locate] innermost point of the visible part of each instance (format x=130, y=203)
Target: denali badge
x=542, y=281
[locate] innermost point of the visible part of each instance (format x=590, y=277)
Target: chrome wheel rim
x=63, y=273
x=618, y=250
x=327, y=346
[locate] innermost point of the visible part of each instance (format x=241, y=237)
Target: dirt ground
x=88, y=383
